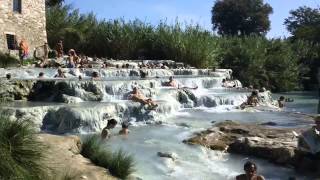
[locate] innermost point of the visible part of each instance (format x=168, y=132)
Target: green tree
x=241, y=17
x=304, y=23
x=50, y=3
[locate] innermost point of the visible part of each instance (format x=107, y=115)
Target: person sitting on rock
x=137, y=96
x=125, y=129
x=281, y=102
x=309, y=140
x=105, y=134
x=251, y=101
x=173, y=83
x=60, y=74
x=250, y=169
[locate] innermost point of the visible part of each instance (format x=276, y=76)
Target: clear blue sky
x=195, y=11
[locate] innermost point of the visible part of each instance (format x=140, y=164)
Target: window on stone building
x=11, y=41
x=17, y=6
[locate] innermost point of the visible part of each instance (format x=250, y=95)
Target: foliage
x=119, y=163
x=260, y=62
x=51, y=3
x=6, y=60
x=20, y=152
x=304, y=24
x=128, y=40
x=241, y=17
x=308, y=55
x=277, y=64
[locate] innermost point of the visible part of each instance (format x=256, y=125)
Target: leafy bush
x=119, y=163
x=20, y=152
x=7, y=60
x=260, y=62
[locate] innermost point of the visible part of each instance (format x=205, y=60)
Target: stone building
x=22, y=19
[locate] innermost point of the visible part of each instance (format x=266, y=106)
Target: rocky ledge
x=276, y=145
x=64, y=158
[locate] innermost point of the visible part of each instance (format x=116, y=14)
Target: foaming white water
x=192, y=162
x=109, y=73
x=207, y=104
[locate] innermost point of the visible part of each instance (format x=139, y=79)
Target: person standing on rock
x=250, y=169
x=105, y=134
x=59, y=49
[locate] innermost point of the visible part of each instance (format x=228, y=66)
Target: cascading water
x=83, y=106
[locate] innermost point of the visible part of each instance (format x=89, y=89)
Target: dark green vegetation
x=119, y=163
x=7, y=60
x=241, y=17
x=278, y=64
x=20, y=152
x=304, y=23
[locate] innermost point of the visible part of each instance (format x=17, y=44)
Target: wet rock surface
x=276, y=145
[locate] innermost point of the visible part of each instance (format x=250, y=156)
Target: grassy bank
x=20, y=152
x=119, y=163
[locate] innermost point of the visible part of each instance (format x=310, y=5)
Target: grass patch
x=20, y=151
x=119, y=163
x=7, y=60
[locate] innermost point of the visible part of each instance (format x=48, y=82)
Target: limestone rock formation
x=14, y=90
x=276, y=145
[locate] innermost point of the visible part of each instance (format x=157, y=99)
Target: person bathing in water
x=125, y=129
x=251, y=101
x=137, y=96
x=60, y=74
x=250, y=169
x=281, y=102
x=173, y=83
x=105, y=134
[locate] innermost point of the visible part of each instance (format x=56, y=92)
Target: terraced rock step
x=276, y=145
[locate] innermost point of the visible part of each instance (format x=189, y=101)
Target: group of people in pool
x=255, y=98
x=105, y=134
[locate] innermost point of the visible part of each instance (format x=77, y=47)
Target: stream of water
x=179, y=120
x=195, y=162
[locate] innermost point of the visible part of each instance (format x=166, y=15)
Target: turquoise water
x=196, y=162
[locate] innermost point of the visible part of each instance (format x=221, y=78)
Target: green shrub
x=7, y=60
x=119, y=163
x=20, y=152
x=277, y=64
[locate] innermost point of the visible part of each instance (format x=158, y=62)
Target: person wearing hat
x=309, y=140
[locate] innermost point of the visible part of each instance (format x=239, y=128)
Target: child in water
x=125, y=129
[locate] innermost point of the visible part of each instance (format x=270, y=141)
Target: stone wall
x=30, y=24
